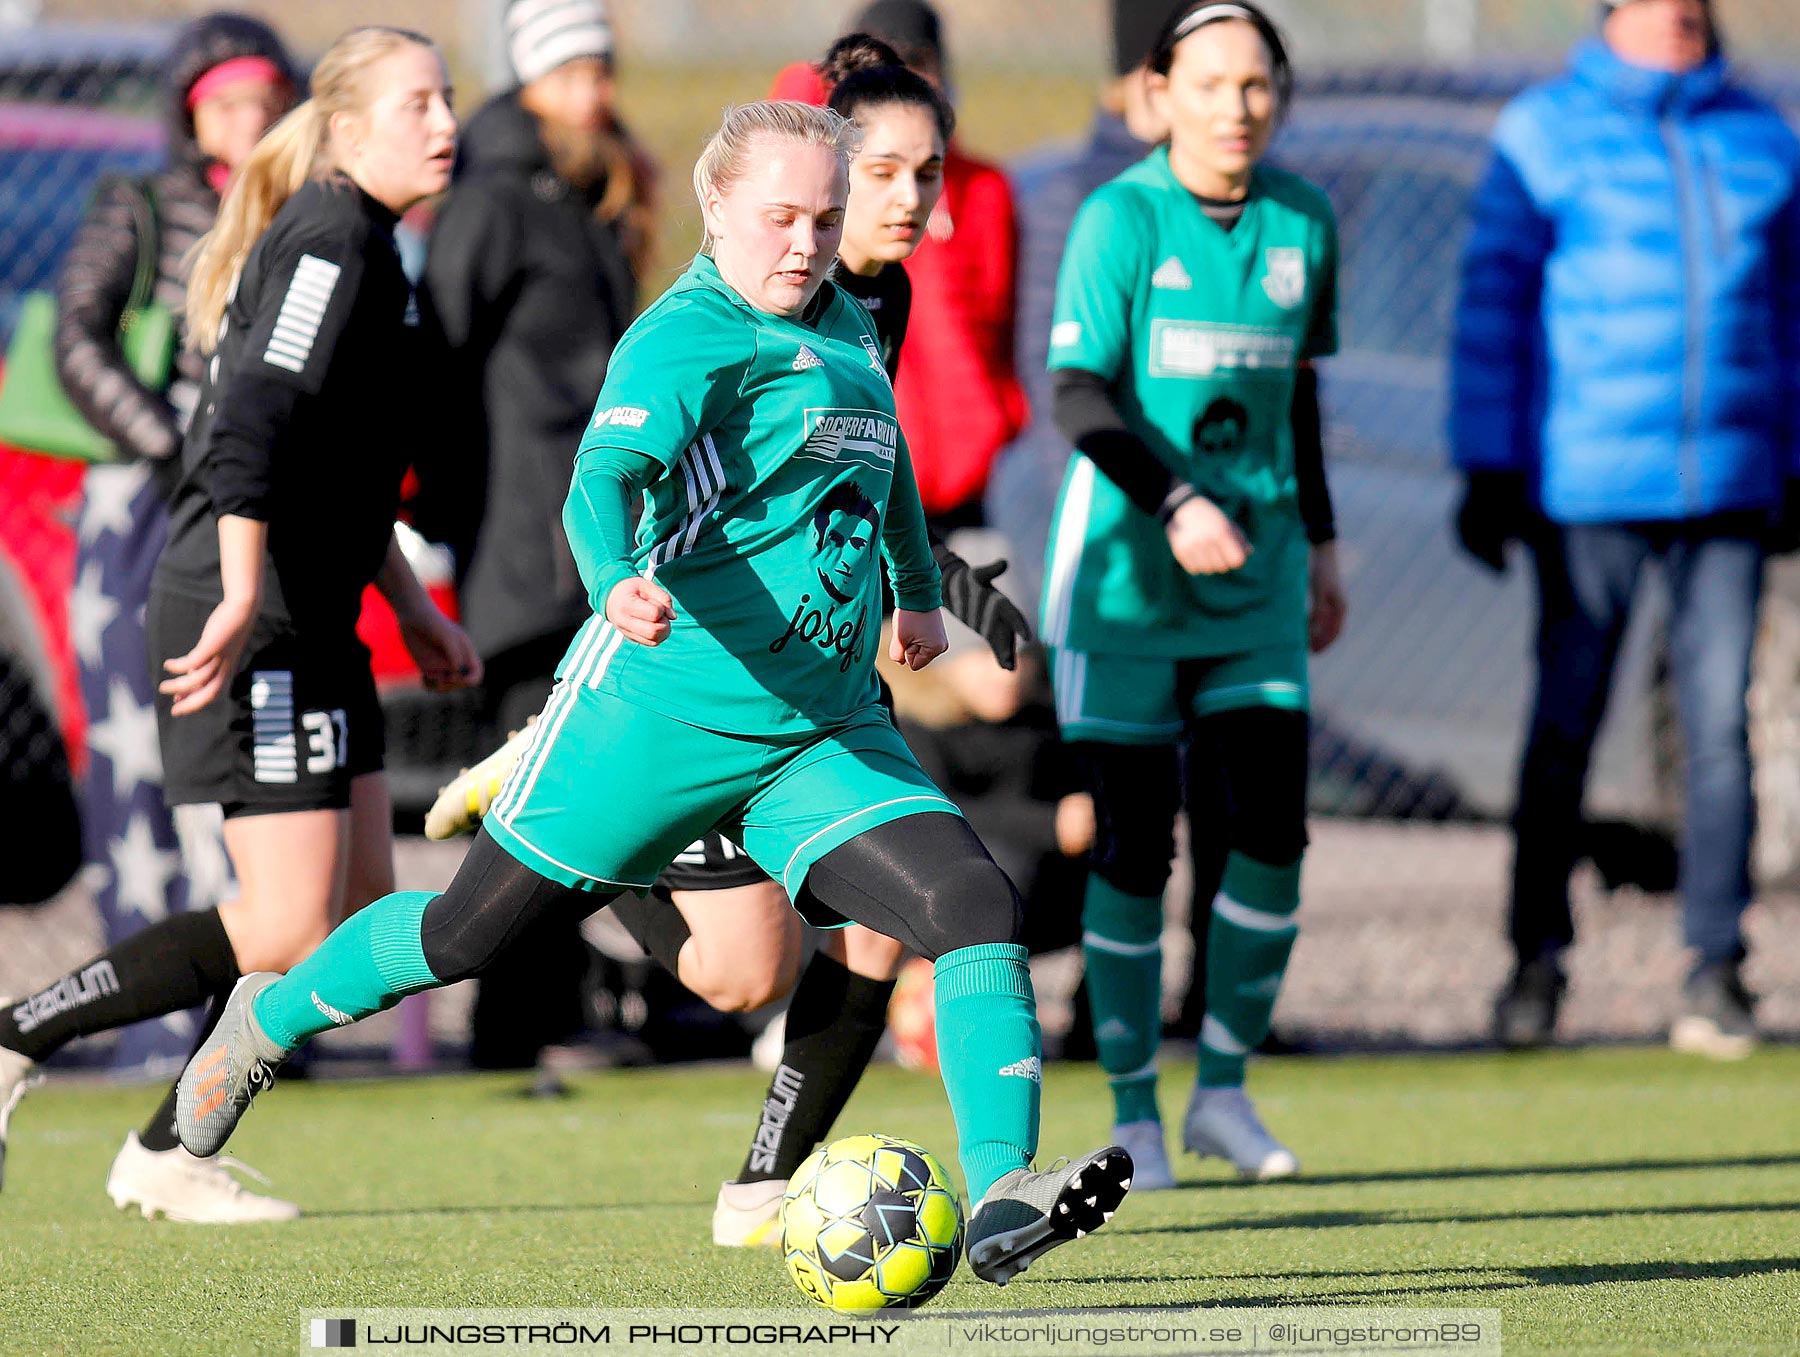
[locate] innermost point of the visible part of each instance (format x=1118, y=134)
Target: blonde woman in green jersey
x=726, y=680
x=1182, y=594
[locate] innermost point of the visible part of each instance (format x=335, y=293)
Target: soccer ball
x=871, y=1222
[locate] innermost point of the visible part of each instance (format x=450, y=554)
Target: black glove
x=1784, y=527
x=970, y=597
x=1496, y=509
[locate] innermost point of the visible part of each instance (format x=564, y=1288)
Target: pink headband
x=238, y=70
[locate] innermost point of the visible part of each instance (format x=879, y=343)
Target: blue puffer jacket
x=1629, y=325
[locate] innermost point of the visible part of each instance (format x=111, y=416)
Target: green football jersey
x=1198, y=332
x=785, y=484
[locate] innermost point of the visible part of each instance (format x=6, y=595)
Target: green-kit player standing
x=727, y=681
x=1182, y=592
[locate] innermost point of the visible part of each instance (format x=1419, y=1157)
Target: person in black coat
x=531, y=272
x=227, y=78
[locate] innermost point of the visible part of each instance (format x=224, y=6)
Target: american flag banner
x=143, y=861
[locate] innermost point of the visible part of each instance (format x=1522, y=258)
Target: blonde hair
x=723, y=161
x=296, y=149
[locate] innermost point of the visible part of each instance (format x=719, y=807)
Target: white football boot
x=184, y=1187
x=1222, y=1122
x=749, y=1214
x=1143, y=1141
x=18, y=1073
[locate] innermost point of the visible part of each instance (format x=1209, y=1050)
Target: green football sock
x=370, y=962
x=1121, y=939
x=1247, y=950
x=989, y=1051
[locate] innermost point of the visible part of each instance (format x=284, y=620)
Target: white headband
x=1209, y=14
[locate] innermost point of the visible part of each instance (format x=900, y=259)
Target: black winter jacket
x=97, y=273
x=532, y=291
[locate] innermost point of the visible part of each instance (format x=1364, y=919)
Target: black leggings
x=924, y=880
x=1244, y=778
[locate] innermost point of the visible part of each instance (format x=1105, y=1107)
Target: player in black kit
x=315, y=398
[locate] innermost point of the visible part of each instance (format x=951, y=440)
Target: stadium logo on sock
x=1029, y=1068
x=784, y=1092
x=334, y=1333
x=338, y=1018
x=71, y=992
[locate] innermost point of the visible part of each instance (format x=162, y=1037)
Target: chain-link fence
x=1421, y=705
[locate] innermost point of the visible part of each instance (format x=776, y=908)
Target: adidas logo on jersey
x=806, y=358
x=1029, y=1068
x=1171, y=276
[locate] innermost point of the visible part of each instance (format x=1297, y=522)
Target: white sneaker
x=181, y=1186
x=17, y=1074
x=464, y=800
x=1222, y=1122
x=1143, y=1141
x=748, y=1214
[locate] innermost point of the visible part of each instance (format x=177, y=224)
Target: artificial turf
x=1622, y=1201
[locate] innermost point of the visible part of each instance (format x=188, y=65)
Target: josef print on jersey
x=833, y=613
x=1223, y=430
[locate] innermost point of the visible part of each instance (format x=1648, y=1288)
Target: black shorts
x=713, y=863
x=297, y=724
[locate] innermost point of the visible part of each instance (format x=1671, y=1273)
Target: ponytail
x=282, y=161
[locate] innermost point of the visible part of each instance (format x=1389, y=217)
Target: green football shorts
x=608, y=792
x=1128, y=699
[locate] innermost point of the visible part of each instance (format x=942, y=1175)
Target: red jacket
x=959, y=398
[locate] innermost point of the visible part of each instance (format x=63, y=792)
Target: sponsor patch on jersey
x=1182, y=348
x=806, y=358
x=622, y=416
x=302, y=312
x=835, y=434
x=1065, y=334
x=1171, y=276
x=1284, y=277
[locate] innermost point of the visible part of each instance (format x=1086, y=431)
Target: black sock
x=656, y=926
x=159, y=1132
x=169, y=966
x=833, y=1026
